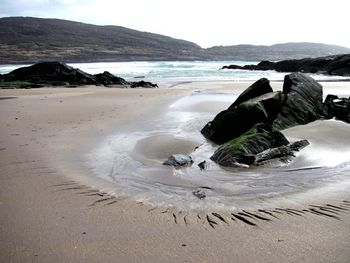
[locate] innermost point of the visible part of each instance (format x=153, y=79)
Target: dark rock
x=242, y=150
x=329, y=107
x=232, y=67
x=234, y=122
x=265, y=65
x=260, y=87
x=342, y=109
x=331, y=65
x=200, y=194
x=46, y=72
x=203, y=165
x=299, y=103
x=239, y=118
x=179, y=160
x=303, y=102
x=143, y=84
x=298, y=145
x=283, y=153
x=107, y=78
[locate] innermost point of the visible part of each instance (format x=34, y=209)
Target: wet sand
x=54, y=210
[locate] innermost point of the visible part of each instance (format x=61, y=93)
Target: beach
x=54, y=209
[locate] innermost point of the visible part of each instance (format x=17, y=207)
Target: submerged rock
x=179, y=160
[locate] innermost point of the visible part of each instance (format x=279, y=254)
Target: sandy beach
x=53, y=208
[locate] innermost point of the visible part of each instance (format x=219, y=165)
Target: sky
x=207, y=22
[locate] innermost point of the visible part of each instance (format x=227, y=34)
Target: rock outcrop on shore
x=338, y=65
x=249, y=130
x=60, y=74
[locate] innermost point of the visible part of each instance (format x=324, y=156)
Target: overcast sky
x=206, y=22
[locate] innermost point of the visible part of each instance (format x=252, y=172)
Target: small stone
x=179, y=160
x=200, y=194
x=203, y=165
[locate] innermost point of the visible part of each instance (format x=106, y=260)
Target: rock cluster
x=60, y=74
x=249, y=130
x=331, y=65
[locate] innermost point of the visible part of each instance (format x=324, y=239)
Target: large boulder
x=260, y=87
x=303, y=103
x=252, y=107
x=338, y=108
x=50, y=72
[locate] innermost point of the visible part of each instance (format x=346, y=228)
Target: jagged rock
x=179, y=160
x=46, y=72
x=303, y=103
x=260, y=87
x=143, y=84
x=107, y=78
x=242, y=150
x=238, y=119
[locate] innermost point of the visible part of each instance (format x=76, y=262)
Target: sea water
x=170, y=73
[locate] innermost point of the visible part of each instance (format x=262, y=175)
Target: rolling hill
x=29, y=40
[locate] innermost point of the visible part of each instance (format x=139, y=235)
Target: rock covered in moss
x=243, y=149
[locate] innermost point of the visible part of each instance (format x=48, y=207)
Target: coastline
x=48, y=213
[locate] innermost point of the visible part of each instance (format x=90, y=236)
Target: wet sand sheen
x=54, y=209
x=267, y=186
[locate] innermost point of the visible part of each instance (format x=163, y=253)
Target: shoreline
x=47, y=215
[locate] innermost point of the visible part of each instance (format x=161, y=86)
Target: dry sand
x=48, y=215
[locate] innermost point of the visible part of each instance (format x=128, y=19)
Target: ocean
x=170, y=73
